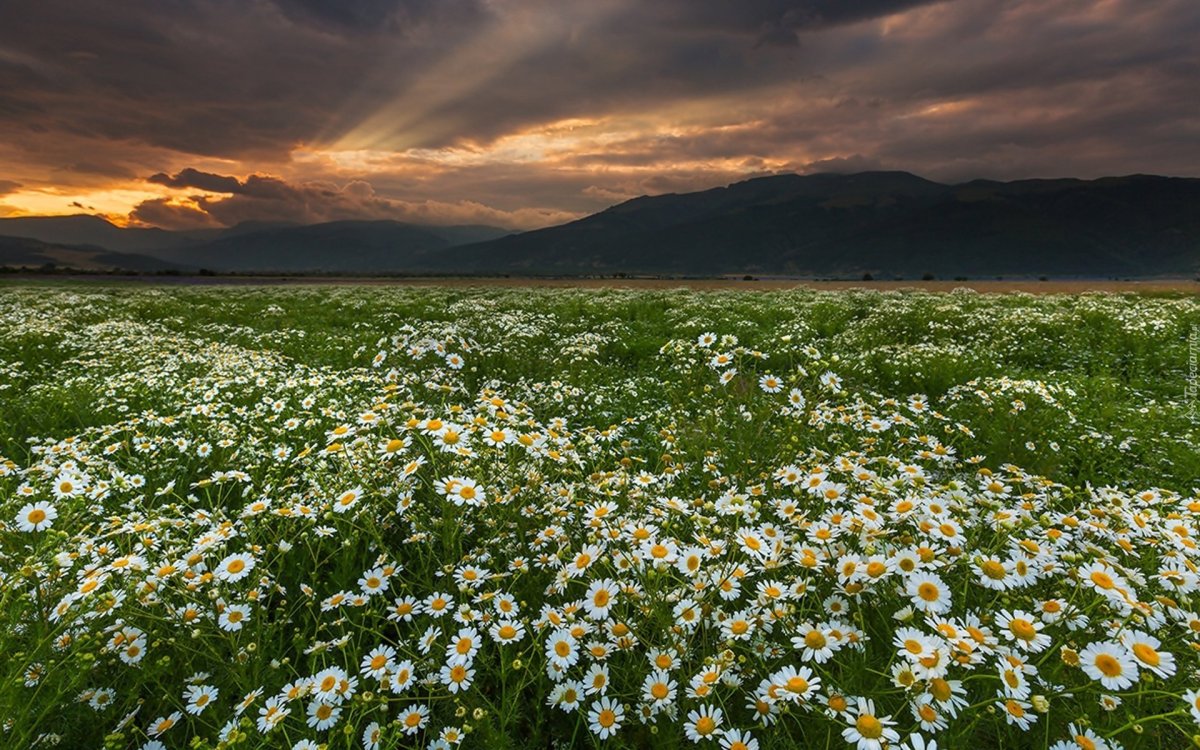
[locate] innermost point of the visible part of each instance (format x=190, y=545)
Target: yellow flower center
x=1108, y=665
x=1146, y=654
x=868, y=726
x=1023, y=629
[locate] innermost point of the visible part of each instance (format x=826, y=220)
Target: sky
x=189, y=114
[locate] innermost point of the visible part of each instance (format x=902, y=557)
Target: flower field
x=369, y=517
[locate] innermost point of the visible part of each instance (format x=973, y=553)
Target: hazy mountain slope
x=876, y=222
x=23, y=252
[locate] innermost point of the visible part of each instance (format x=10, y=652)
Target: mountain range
x=829, y=225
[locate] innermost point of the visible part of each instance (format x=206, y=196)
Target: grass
x=172, y=412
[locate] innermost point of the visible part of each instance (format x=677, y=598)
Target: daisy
x=737, y=739
x=1018, y=712
x=378, y=663
x=163, y=723
x=869, y=731
x=566, y=696
x=347, y=500
x=604, y=718
x=233, y=617
x=770, y=384
x=437, y=605
x=561, y=649
x=595, y=681
x=1146, y=649
x=796, y=684
x=371, y=736
x=814, y=642
x=1109, y=663
x=326, y=683
x=199, y=697
x=463, y=646
x=928, y=592
x=235, y=567
x=322, y=714
x=414, y=718
x=36, y=516
x=1082, y=738
x=703, y=723
x=457, y=677
x=373, y=582
x=272, y=713
x=658, y=690
x=1023, y=629
x=738, y=626
x=507, y=631
x=600, y=598
x=402, y=677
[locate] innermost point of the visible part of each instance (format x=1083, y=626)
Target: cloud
x=8, y=186
x=268, y=198
x=458, y=108
x=169, y=214
x=194, y=178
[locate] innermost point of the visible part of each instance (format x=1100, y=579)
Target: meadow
x=373, y=517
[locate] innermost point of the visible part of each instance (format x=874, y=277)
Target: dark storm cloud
x=266, y=198
x=377, y=15
x=678, y=94
x=193, y=178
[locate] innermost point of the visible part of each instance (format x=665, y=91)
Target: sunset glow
x=524, y=114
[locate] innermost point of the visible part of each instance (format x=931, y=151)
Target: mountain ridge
x=886, y=223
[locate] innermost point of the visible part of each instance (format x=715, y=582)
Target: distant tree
x=868, y=277
x=927, y=276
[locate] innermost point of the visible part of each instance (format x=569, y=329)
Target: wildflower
x=414, y=718
x=199, y=697
x=1023, y=629
x=233, y=617
x=703, y=723
x=1148, y=652
x=605, y=717
x=235, y=567
x=347, y=500
x=1109, y=663
x=36, y=516
x=868, y=731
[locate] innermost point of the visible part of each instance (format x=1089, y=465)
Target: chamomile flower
x=868, y=730
x=235, y=567
x=703, y=723
x=1109, y=663
x=36, y=517
x=199, y=697
x=605, y=717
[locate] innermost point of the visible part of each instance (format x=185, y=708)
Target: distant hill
x=887, y=224
x=23, y=252
x=883, y=223
x=334, y=247
x=339, y=246
x=82, y=229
